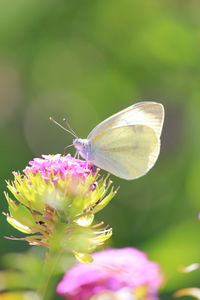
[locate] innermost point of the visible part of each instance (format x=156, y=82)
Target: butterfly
x=127, y=144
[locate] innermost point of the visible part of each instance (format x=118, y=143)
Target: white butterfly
x=128, y=143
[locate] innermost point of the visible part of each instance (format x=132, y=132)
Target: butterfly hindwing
x=127, y=151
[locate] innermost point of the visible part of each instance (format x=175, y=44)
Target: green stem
x=48, y=283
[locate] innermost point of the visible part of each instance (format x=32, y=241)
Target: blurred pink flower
x=113, y=270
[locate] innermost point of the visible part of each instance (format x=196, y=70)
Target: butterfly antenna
x=68, y=146
x=68, y=125
x=71, y=132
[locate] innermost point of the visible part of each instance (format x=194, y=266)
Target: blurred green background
x=86, y=60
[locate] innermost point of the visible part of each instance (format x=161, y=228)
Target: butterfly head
x=82, y=146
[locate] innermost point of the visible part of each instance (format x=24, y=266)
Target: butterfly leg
x=65, y=152
x=87, y=161
x=77, y=155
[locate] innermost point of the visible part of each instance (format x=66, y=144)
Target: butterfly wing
x=150, y=114
x=127, y=151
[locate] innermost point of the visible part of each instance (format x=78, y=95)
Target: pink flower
x=113, y=270
x=59, y=196
x=53, y=167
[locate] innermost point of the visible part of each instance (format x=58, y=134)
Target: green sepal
x=19, y=226
x=76, y=207
x=20, y=213
x=80, y=239
x=104, y=201
x=29, y=190
x=83, y=257
x=82, y=196
x=85, y=221
x=103, y=236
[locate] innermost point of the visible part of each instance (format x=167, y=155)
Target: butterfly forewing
x=150, y=114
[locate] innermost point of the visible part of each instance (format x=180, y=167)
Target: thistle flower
x=56, y=199
x=115, y=274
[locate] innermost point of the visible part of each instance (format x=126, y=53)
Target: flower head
x=54, y=167
x=59, y=195
x=114, y=273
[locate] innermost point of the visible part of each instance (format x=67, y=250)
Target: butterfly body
x=83, y=147
x=128, y=143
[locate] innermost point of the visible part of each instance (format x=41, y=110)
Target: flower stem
x=48, y=278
